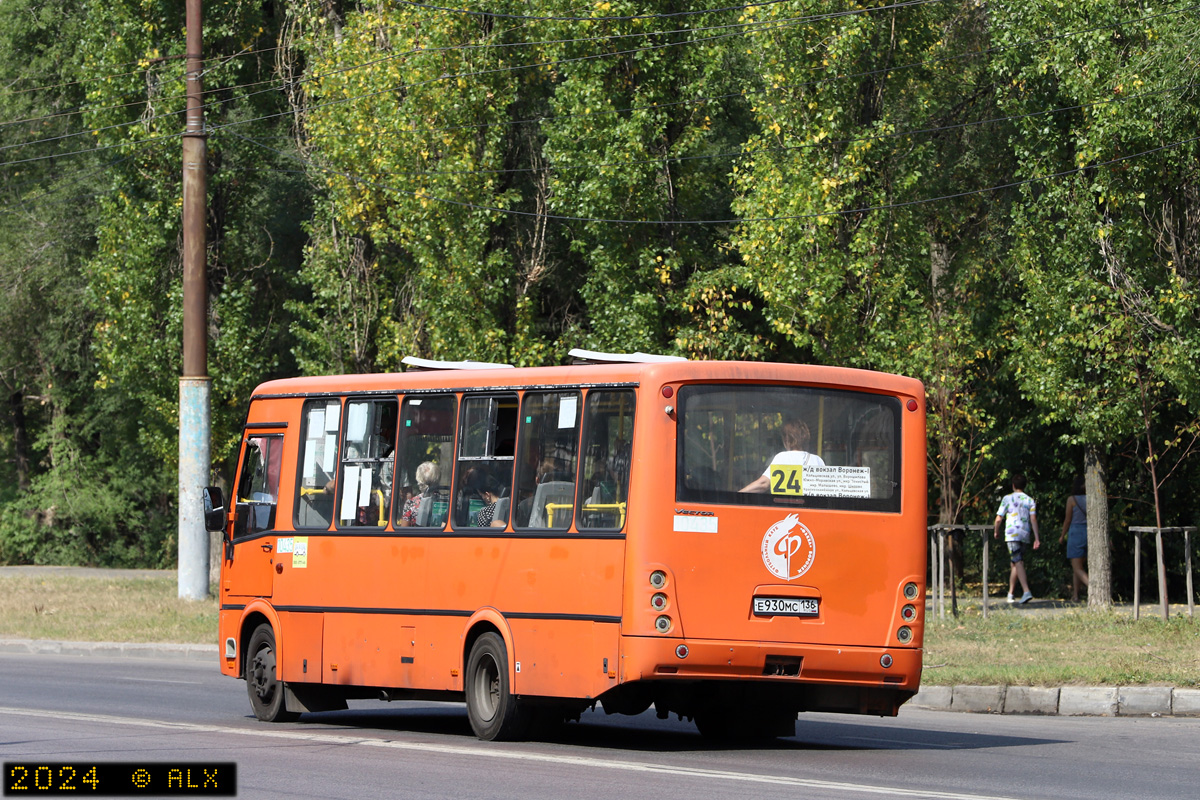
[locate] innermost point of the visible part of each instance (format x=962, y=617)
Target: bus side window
x=258, y=484
x=368, y=460
x=487, y=441
x=318, y=464
x=607, y=452
x=426, y=455
x=549, y=440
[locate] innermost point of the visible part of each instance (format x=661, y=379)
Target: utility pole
x=194, y=385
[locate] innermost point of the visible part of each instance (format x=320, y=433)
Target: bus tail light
x=663, y=624
x=911, y=591
x=682, y=651
x=908, y=613
x=885, y=660
x=658, y=579
x=904, y=635
x=658, y=602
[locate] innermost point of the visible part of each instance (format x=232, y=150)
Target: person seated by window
x=525, y=493
x=427, y=474
x=796, y=437
x=494, y=513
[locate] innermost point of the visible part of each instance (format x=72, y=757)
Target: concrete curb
x=174, y=652
x=1073, y=701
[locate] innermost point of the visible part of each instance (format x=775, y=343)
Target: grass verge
x=1073, y=646
x=75, y=609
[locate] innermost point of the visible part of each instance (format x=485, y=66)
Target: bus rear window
x=788, y=446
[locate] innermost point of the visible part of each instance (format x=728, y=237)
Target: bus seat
x=501, y=510
x=424, y=508
x=550, y=492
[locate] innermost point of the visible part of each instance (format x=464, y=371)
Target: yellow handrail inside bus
x=305, y=491
x=619, y=507
x=552, y=508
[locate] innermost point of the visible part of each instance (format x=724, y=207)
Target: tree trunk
x=16, y=403
x=1099, y=555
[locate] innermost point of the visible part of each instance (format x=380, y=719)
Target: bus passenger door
x=250, y=555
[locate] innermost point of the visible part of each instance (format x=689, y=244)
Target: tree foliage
x=999, y=200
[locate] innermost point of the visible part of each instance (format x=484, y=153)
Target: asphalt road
x=68, y=708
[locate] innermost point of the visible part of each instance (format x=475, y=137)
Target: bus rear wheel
x=495, y=713
x=264, y=688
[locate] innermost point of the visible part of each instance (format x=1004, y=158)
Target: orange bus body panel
x=396, y=609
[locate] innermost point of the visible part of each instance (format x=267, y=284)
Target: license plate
x=786, y=606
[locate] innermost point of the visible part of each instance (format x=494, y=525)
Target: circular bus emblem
x=788, y=548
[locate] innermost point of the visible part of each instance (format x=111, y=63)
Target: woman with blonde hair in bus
x=796, y=438
x=427, y=475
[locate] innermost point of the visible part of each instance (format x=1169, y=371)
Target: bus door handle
x=266, y=547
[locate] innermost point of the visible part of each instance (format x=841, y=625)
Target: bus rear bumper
x=696, y=676
x=645, y=658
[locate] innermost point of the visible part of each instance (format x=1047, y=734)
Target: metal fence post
x=1187, y=549
x=1137, y=575
x=985, y=572
x=1162, y=575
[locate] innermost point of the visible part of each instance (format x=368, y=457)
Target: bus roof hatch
x=414, y=363
x=594, y=357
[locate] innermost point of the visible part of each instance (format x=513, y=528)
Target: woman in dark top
x=495, y=513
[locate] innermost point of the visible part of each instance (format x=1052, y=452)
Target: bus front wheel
x=265, y=689
x=495, y=713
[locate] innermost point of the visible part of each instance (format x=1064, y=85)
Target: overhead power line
x=277, y=84
x=868, y=73
x=139, y=142
x=535, y=18
x=734, y=221
x=76, y=177
x=819, y=81
x=670, y=159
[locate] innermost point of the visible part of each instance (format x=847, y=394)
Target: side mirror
x=215, y=516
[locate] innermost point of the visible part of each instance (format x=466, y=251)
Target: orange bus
x=731, y=542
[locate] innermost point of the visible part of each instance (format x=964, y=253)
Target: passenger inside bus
x=494, y=513
x=796, y=437
x=418, y=509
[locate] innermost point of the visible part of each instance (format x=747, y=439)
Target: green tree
x=255, y=204
x=864, y=118
x=1110, y=308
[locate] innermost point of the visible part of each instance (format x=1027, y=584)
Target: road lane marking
x=485, y=751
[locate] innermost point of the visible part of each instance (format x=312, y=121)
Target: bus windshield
x=788, y=446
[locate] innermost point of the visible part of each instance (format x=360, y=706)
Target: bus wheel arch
x=484, y=621
x=261, y=670
x=493, y=708
x=249, y=625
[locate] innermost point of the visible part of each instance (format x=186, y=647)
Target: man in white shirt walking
x=1018, y=512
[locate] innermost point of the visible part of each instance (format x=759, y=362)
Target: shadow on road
x=646, y=733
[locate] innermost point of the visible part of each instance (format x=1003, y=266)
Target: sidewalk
x=185, y=652
x=1066, y=701
x=1105, y=701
